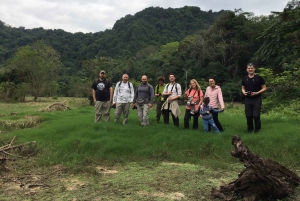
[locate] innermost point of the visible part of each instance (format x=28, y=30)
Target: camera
x=113, y=106
x=189, y=101
x=249, y=93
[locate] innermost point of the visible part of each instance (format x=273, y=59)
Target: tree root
x=263, y=179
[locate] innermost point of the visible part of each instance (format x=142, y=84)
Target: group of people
x=204, y=105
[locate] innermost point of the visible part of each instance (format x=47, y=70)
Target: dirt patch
x=173, y=196
x=103, y=170
x=25, y=184
x=72, y=184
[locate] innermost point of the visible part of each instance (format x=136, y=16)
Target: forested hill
x=192, y=43
x=151, y=26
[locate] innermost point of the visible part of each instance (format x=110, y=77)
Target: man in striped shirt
x=214, y=92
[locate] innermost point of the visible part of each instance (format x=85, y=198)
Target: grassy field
x=78, y=159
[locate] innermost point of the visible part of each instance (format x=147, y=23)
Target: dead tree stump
x=263, y=179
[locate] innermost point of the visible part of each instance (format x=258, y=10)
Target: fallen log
x=263, y=179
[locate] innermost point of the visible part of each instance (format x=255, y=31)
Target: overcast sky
x=97, y=15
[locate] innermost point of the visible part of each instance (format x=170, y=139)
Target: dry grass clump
x=56, y=106
x=27, y=122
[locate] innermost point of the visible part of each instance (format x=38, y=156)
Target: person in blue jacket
x=205, y=114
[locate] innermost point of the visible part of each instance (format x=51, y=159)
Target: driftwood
x=263, y=179
x=56, y=106
x=4, y=150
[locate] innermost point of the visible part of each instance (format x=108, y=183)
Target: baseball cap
x=102, y=71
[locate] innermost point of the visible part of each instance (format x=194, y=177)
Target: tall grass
x=72, y=138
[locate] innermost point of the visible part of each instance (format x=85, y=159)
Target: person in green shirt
x=159, y=97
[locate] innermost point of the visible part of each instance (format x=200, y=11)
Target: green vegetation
x=187, y=41
x=158, y=161
x=72, y=138
x=152, y=162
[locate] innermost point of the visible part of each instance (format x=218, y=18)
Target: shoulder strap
x=129, y=86
x=167, y=86
x=149, y=88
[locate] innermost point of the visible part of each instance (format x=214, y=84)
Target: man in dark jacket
x=252, y=87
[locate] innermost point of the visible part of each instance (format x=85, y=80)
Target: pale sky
x=97, y=15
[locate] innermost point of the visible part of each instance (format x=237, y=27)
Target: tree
x=36, y=65
x=281, y=40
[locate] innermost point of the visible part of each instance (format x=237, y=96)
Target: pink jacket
x=215, y=96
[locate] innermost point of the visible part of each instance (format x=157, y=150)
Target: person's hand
x=207, y=112
x=156, y=94
x=94, y=100
x=133, y=105
x=150, y=105
x=223, y=109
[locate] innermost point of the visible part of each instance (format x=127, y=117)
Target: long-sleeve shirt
x=215, y=96
x=124, y=92
x=203, y=111
x=144, y=92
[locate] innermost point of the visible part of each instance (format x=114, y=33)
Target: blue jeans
x=210, y=122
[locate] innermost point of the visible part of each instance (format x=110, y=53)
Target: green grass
x=72, y=139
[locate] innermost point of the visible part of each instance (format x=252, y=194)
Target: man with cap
x=102, y=93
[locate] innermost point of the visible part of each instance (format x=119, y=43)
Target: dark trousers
x=216, y=120
x=158, y=109
x=187, y=118
x=252, y=111
x=166, y=118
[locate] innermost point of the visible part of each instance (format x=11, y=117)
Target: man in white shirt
x=172, y=93
x=123, y=97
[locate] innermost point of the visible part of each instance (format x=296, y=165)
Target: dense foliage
x=186, y=41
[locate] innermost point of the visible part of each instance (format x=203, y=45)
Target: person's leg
x=126, y=110
x=158, y=110
x=106, y=110
x=166, y=115
x=187, y=118
x=140, y=114
x=205, y=125
x=249, y=116
x=216, y=120
x=175, y=120
x=195, y=123
x=256, y=115
x=145, y=114
x=98, y=111
x=213, y=125
x=118, y=111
